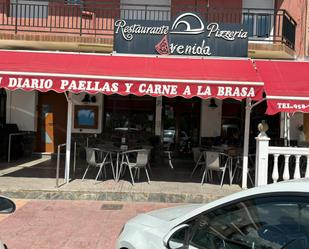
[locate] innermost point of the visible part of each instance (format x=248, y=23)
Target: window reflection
x=268, y=223
x=129, y=114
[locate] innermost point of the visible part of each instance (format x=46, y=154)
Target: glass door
x=181, y=120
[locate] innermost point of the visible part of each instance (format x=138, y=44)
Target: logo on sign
x=189, y=30
x=163, y=47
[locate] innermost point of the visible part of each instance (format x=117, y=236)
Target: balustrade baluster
x=275, y=174
x=286, y=173
x=297, y=168
x=307, y=168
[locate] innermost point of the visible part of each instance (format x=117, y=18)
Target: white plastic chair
x=199, y=157
x=99, y=159
x=219, y=162
x=135, y=159
x=149, y=149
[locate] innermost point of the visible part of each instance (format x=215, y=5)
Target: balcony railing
x=97, y=19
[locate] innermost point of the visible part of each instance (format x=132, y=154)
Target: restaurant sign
x=292, y=105
x=137, y=86
x=186, y=35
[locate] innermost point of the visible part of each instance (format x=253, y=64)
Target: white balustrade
x=294, y=158
x=300, y=154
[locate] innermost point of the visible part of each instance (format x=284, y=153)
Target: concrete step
x=112, y=196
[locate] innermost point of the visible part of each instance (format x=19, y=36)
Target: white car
x=169, y=139
x=272, y=217
x=7, y=206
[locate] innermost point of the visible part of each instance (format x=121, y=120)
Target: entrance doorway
x=52, y=121
x=181, y=121
x=2, y=107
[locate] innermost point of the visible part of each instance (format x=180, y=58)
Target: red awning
x=286, y=85
x=109, y=74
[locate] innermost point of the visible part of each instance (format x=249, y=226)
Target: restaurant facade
x=175, y=81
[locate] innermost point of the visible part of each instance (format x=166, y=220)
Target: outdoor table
x=114, y=150
x=235, y=155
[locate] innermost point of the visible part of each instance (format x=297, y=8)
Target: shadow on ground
x=160, y=171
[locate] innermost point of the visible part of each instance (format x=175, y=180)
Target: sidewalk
x=35, y=179
x=41, y=224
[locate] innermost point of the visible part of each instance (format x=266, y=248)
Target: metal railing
x=97, y=19
x=58, y=162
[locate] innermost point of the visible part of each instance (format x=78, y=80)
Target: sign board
x=187, y=35
x=137, y=86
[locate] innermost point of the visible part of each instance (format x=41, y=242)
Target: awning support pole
x=68, y=140
x=246, y=144
x=257, y=103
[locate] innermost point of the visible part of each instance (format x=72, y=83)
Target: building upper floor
x=276, y=28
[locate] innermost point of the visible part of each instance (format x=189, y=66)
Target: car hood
x=169, y=214
x=162, y=217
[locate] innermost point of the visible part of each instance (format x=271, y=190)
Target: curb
x=110, y=196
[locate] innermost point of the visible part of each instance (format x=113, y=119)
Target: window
x=158, y=10
x=73, y=2
x=29, y=9
x=248, y=22
x=262, y=223
x=258, y=25
x=263, y=25
x=129, y=113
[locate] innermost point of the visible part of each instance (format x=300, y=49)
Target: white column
x=68, y=140
x=158, y=123
x=261, y=160
x=246, y=144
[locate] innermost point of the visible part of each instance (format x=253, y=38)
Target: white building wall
x=21, y=109
x=210, y=119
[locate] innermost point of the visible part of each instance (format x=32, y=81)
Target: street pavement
x=58, y=224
